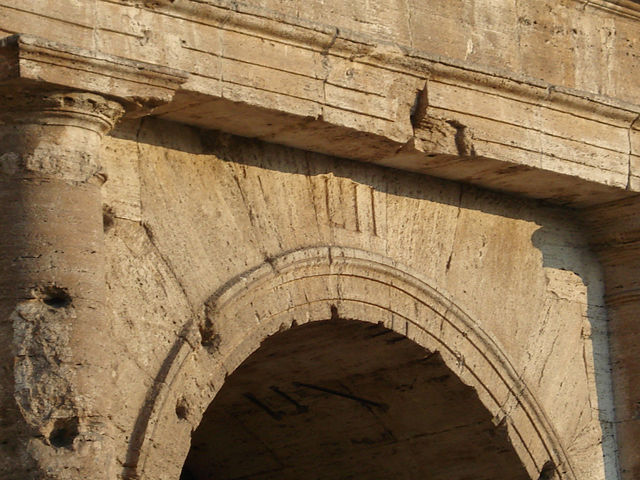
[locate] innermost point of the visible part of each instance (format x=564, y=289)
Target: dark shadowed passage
x=343, y=399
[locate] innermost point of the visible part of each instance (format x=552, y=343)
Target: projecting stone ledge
x=28, y=62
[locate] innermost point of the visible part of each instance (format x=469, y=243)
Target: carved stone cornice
x=28, y=62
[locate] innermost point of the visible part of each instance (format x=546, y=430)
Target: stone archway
x=313, y=285
x=347, y=399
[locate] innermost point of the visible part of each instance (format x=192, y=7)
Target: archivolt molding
x=319, y=283
x=623, y=8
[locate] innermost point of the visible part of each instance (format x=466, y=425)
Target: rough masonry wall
x=186, y=211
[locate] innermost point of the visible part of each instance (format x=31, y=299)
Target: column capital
x=31, y=65
x=60, y=108
x=57, y=102
x=54, y=133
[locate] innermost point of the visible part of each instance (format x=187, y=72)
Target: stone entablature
x=425, y=114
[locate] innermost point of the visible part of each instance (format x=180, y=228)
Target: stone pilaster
x=56, y=105
x=615, y=234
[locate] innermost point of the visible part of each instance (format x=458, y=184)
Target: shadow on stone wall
x=584, y=265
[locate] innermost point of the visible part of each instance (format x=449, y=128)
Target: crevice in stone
x=210, y=339
x=108, y=218
x=419, y=107
x=463, y=139
x=327, y=67
x=54, y=296
x=455, y=232
x=635, y=122
x=65, y=430
x=334, y=313
x=182, y=409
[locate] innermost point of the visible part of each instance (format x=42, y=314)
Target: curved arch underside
x=348, y=399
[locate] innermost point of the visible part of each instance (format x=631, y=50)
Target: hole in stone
x=107, y=218
x=209, y=338
x=182, y=409
x=65, y=430
x=56, y=297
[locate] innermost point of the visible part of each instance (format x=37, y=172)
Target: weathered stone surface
x=52, y=287
x=168, y=284
x=547, y=132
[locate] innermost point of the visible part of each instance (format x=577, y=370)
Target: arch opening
x=350, y=400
